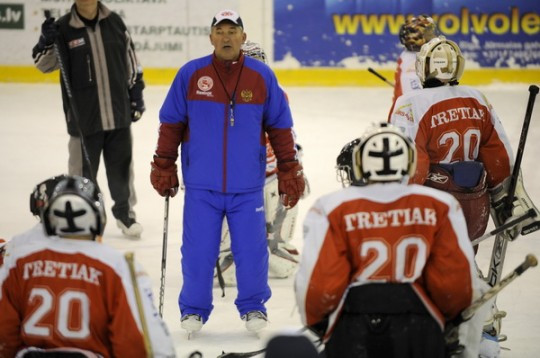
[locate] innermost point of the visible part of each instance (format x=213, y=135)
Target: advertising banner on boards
x=356, y=33
x=166, y=33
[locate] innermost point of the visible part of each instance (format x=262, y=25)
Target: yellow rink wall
x=329, y=77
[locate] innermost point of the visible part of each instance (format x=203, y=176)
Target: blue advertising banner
x=359, y=33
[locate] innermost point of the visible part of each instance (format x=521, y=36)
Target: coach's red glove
x=164, y=176
x=291, y=183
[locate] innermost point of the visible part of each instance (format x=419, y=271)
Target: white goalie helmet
x=440, y=59
x=384, y=154
x=75, y=209
x=253, y=49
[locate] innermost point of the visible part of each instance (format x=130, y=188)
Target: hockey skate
x=191, y=323
x=129, y=227
x=493, y=326
x=255, y=320
x=489, y=346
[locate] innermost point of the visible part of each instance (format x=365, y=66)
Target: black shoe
x=129, y=227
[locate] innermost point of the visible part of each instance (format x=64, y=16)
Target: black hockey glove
x=137, y=101
x=451, y=338
x=319, y=328
x=49, y=32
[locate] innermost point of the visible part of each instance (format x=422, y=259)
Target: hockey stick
x=241, y=355
x=260, y=351
x=129, y=256
x=530, y=261
x=164, y=255
x=451, y=334
x=533, y=91
x=529, y=214
x=380, y=76
x=220, y=278
x=67, y=85
x=499, y=246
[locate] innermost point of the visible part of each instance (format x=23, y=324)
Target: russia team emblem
x=205, y=83
x=246, y=95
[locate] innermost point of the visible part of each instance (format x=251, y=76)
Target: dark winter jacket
x=101, y=67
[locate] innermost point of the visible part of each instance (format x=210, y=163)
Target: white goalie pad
x=271, y=198
x=520, y=206
x=283, y=261
x=281, y=223
x=470, y=332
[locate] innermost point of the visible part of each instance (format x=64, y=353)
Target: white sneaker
x=255, y=320
x=191, y=322
x=130, y=227
x=489, y=346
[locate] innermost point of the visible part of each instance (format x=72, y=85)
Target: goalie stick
x=130, y=259
x=74, y=111
x=164, y=255
x=260, y=351
x=499, y=246
x=529, y=214
x=380, y=76
x=241, y=355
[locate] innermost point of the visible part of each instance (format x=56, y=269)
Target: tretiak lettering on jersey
x=64, y=270
x=392, y=218
x=455, y=114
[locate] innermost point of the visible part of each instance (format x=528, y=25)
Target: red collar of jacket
x=228, y=66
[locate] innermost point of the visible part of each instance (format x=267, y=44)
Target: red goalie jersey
x=450, y=124
x=385, y=233
x=61, y=293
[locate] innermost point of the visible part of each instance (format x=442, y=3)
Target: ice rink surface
x=33, y=147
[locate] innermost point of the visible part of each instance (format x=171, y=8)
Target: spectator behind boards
x=219, y=108
x=102, y=97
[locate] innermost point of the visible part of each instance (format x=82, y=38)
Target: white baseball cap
x=227, y=15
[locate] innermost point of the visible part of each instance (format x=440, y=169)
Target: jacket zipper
x=90, y=79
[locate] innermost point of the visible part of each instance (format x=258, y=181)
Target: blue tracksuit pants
x=204, y=211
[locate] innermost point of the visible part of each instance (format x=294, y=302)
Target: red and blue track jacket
x=220, y=112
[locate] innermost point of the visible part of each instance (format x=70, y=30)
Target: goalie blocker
x=521, y=204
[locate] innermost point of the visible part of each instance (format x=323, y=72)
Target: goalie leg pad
x=288, y=225
x=282, y=263
x=271, y=198
x=474, y=200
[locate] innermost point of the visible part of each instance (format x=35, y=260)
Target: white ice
x=33, y=147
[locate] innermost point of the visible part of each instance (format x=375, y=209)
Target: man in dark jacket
x=102, y=89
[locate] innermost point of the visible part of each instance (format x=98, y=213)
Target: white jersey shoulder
x=381, y=193
x=411, y=108
x=407, y=71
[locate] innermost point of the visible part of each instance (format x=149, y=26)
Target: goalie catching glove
x=522, y=203
x=164, y=176
x=291, y=183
